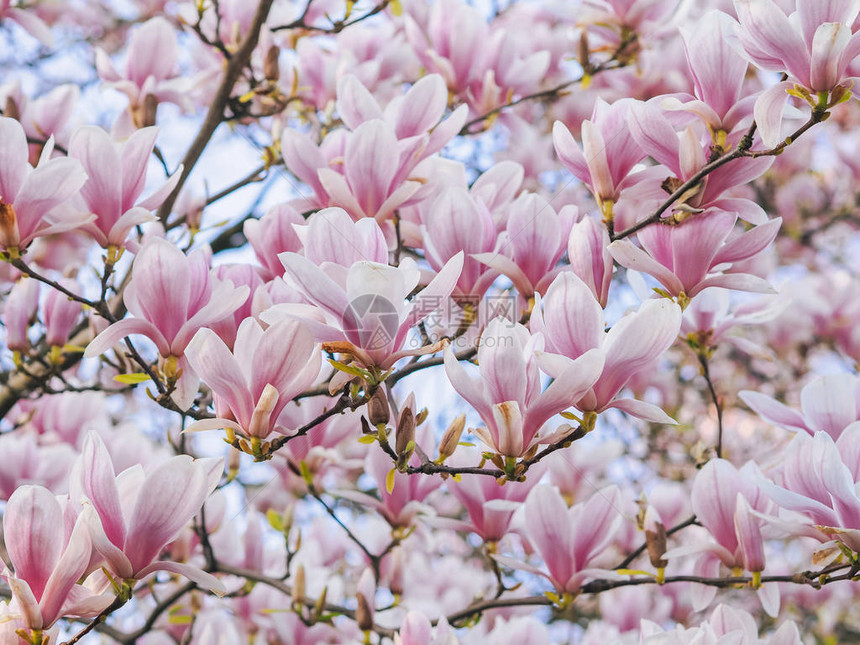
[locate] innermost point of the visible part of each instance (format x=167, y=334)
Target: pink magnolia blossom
x=571, y=322
x=724, y=499
x=608, y=154
x=48, y=557
x=42, y=117
x=814, y=45
x=28, y=19
x=535, y=239
x=718, y=72
x=697, y=254
x=272, y=234
x=19, y=310
x=818, y=480
x=29, y=196
x=457, y=222
x=253, y=384
x=590, y=260
x=725, y=626
x=370, y=312
x=416, y=629
x=684, y=154
x=117, y=177
x=134, y=515
x=61, y=313
x=334, y=242
x=171, y=296
x=569, y=539
x=508, y=396
x=26, y=462
x=830, y=404
x=151, y=68
x=490, y=507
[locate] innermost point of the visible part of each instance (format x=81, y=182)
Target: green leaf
x=367, y=439
x=131, y=379
x=389, y=480
x=276, y=521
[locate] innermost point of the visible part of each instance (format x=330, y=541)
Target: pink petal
x=71, y=566
x=30, y=532
x=629, y=255
x=93, y=147
x=768, y=112
x=194, y=574
x=569, y=153
x=355, y=103
x=215, y=364
x=119, y=330
x=654, y=134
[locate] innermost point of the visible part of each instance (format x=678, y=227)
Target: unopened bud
x=11, y=109
x=365, y=427
x=655, y=538
x=299, y=586
x=9, y=235
x=421, y=417
x=377, y=408
x=271, y=68
x=583, y=49
x=405, y=431
x=363, y=614
x=262, y=415
x=451, y=438
x=150, y=109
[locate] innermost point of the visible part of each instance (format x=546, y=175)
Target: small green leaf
x=367, y=439
x=349, y=369
x=389, y=480
x=131, y=379
x=276, y=521
x=634, y=572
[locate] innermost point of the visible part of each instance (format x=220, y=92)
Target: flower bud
x=655, y=538
x=271, y=68
x=451, y=438
x=299, y=586
x=377, y=408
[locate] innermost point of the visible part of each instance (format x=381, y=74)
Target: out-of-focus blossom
x=830, y=404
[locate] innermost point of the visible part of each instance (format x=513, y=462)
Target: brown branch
x=215, y=115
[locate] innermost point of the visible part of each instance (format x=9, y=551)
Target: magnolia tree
x=429, y=322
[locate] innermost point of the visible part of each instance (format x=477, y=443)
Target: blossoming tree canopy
x=397, y=321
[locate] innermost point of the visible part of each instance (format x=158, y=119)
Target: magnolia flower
x=151, y=69
x=171, y=296
x=48, y=558
x=28, y=196
x=697, y=254
x=508, y=394
x=569, y=539
x=117, y=176
x=830, y=404
x=571, y=322
x=608, y=152
x=814, y=45
x=134, y=515
x=254, y=382
x=369, y=316
x=272, y=234
x=535, y=239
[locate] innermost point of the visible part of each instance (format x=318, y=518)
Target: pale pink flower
x=117, y=177
x=490, y=507
x=569, y=539
x=132, y=516
x=608, y=152
x=814, y=45
x=508, y=396
x=272, y=234
x=49, y=557
x=457, y=222
x=26, y=462
x=370, y=311
x=28, y=19
x=688, y=258
x=29, y=196
x=254, y=382
x=588, y=253
x=571, y=322
x=151, y=68
x=61, y=313
x=171, y=296
x=535, y=239
x=19, y=311
x=829, y=403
